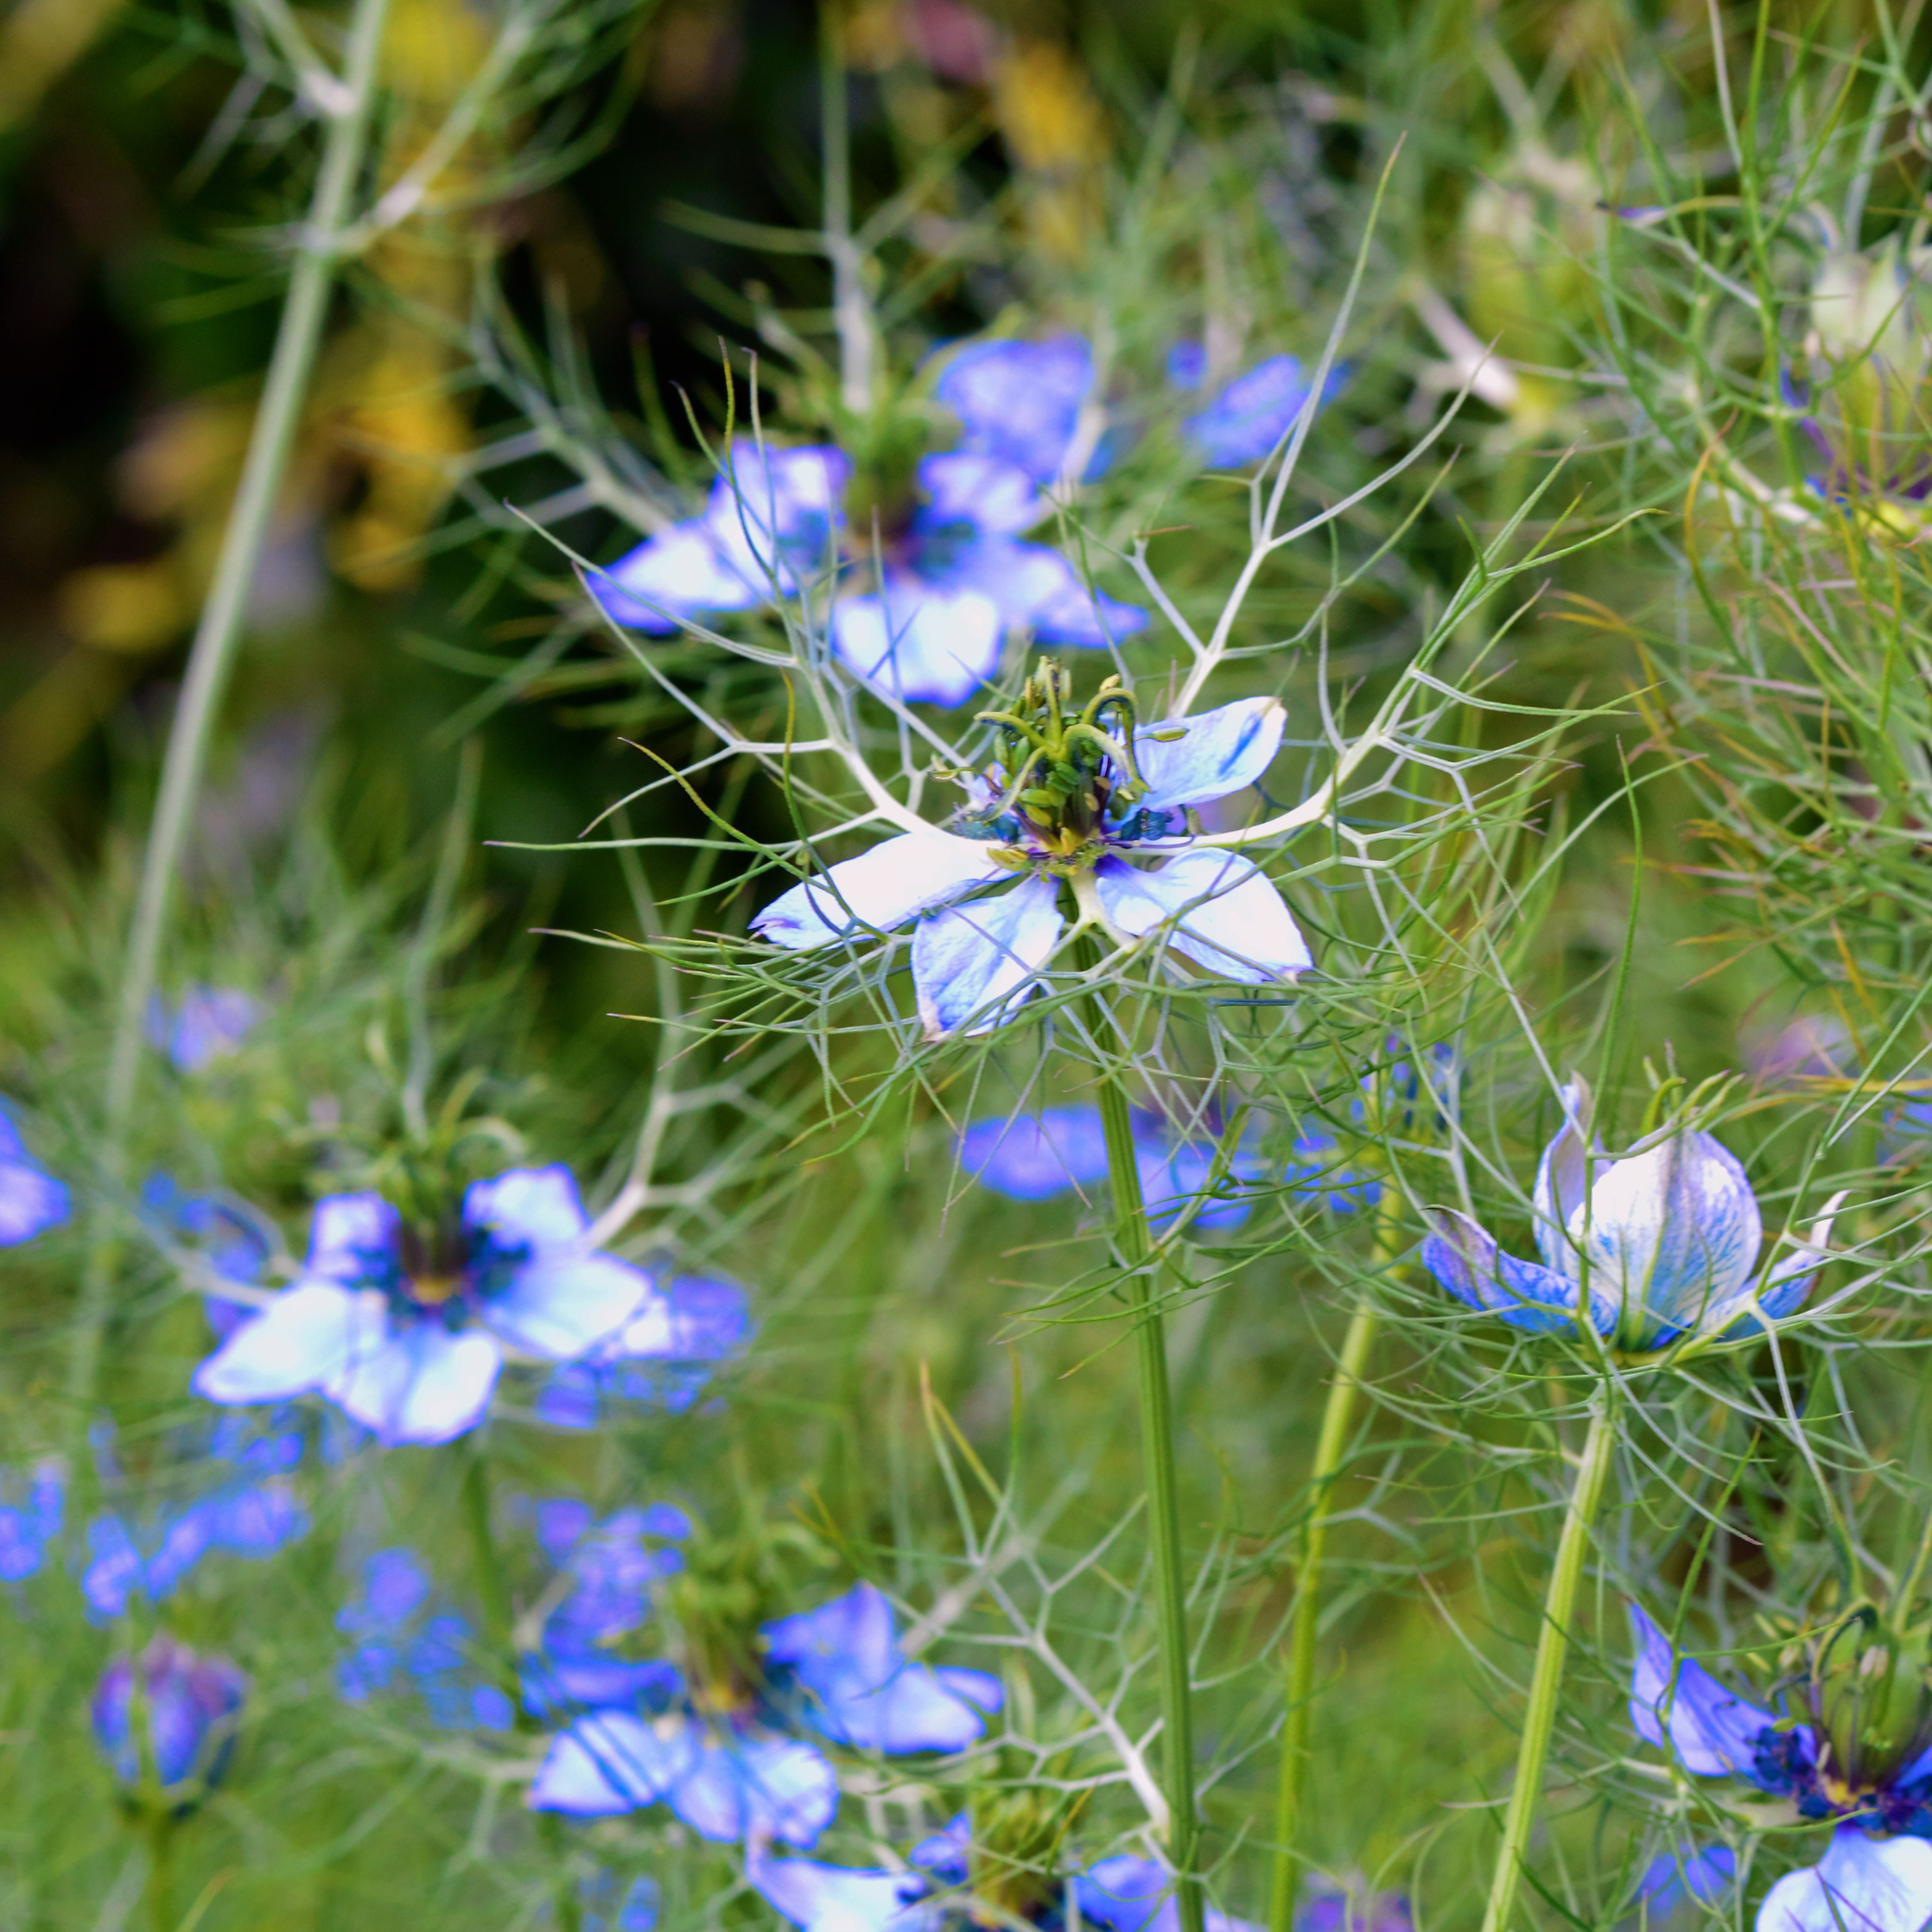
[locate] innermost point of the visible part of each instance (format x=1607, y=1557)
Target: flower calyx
x=1016, y=1855
x=1870, y=1698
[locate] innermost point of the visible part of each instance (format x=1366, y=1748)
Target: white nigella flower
x=1081, y=799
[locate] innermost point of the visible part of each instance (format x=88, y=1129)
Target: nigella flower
x=169, y=1713
x=1860, y=1755
x=929, y=572
x=713, y=1737
x=665, y=1355
x=404, y=1642
x=1657, y=1246
x=1037, y=1156
x=1074, y=804
x=206, y=1024
x=405, y=1331
x=28, y=1527
x=1250, y=417
x=31, y=1200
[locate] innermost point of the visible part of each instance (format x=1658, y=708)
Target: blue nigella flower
x=664, y=1355
x=229, y=1240
x=974, y=959
x=1037, y=1156
x=404, y=1642
x=1702, y=1876
x=1664, y=1242
x=170, y=1710
x=206, y=1024
x=409, y=1344
x=928, y=593
x=27, y=1528
x=1248, y=419
x=725, y=1758
x=1876, y=1873
x=31, y=1200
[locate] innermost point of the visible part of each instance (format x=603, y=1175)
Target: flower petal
x=422, y=1384
x=878, y=890
x=994, y=496
x=1037, y=589
x=740, y=1787
x=1790, y=1281
x=1035, y=1156
x=1671, y=1239
x=1192, y=760
x=531, y=1208
x=31, y=1200
x=355, y=1240
x=973, y=964
x=821, y=1897
x=774, y=513
x=1253, y=414
x=682, y=572
x=1020, y=400
x=1129, y=1894
x=924, y=644
x=299, y=1342
x=1711, y=1731
x=1562, y=1182
x=562, y=1306
x=1860, y=1884
x=610, y=1762
x=1462, y=1255
x=1225, y=912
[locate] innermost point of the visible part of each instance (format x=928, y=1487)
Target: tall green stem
x=212, y=654
x=1134, y=1249
x=160, y=1824
x=1552, y=1648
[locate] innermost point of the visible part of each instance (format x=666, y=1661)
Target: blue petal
x=527, y=1209
x=775, y=515
x=1562, y=1182
x=1035, y=589
x=924, y=644
x=31, y=1200
x=1783, y=1289
x=610, y=1762
x=256, y=1519
x=995, y=498
x=819, y=1898
x=1704, y=1876
x=301, y=1341
x=355, y=1240
x=946, y=1853
x=210, y=1022
x=184, y=1540
x=1253, y=413
x=1860, y=1884
x=1126, y=1894
x=114, y=1571
x=1711, y=1730
x=973, y=964
x=1187, y=364
x=737, y=1787
x=680, y=573
x=1019, y=401
x=562, y=1306
x=422, y=1384
x=1463, y=1257
x=1221, y=910
x=849, y=1644
x=1037, y=1155
x=395, y=1585
x=1192, y=760
x=878, y=890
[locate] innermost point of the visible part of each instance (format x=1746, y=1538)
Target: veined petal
x=1225, y=912
x=1192, y=760
x=1035, y=1156
x=1020, y=400
x=299, y=1342
x=354, y=1240
x=562, y=1306
x=1860, y=1884
x=1562, y=1182
x=682, y=572
x=610, y=1762
x=972, y=964
x=1790, y=1280
x=423, y=1384
x=880, y=889
x=924, y=644
x=821, y=1897
x=1463, y=1256
x=994, y=496
x=740, y=1787
x=1711, y=1730
x=526, y=1207
x=1671, y=1239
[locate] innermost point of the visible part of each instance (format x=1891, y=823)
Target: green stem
x=1337, y=1419
x=1552, y=1646
x=209, y=660
x=160, y=1824
x=1134, y=1249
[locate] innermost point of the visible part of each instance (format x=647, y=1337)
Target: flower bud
x=166, y=1719
x=1869, y=1701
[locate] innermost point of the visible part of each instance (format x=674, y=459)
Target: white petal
x=1227, y=914
x=1193, y=760
x=354, y=1239
x=562, y=1305
x=609, y=1762
x=297, y=1343
x=683, y=572
x=880, y=889
x=970, y=959
x=422, y=1385
x=527, y=1207
x=926, y=645
x=1860, y=1884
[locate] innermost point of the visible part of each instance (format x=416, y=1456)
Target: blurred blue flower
x=975, y=960
x=1877, y=1873
x=229, y=1240
x=1704, y=1876
x=719, y=1755
x=1249, y=418
x=170, y=1710
x=1037, y=1156
x=405, y=1644
x=31, y=1200
x=1187, y=364
x=410, y=1344
x=27, y=1528
x=636, y=1910
x=1327, y=1908
x=206, y=1024
x=665, y=1356
x=950, y=576
x=1668, y=1241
